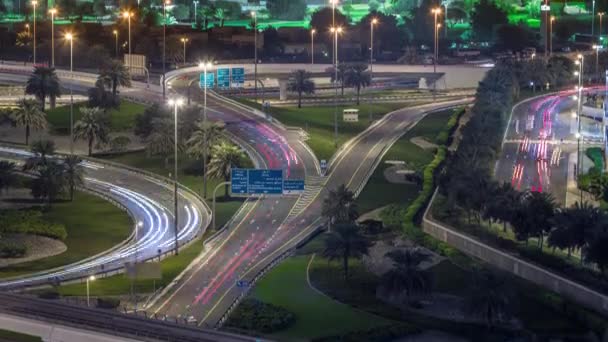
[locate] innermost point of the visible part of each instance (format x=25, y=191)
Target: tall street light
x=127, y=15
x=70, y=37
x=89, y=279
x=34, y=4
x=184, y=40
x=312, y=45
x=115, y=32
x=436, y=11
x=551, y=20
x=372, y=23
x=205, y=66
x=593, y=18
x=175, y=103
x=580, y=62
x=336, y=31
x=600, y=14
x=334, y=3
x=255, y=55
x=53, y=11
x=195, y=14
x=165, y=3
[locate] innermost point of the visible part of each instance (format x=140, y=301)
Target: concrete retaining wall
x=511, y=263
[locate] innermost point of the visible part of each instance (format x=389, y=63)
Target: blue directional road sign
x=210, y=81
x=293, y=186
x=238, y=77
x=223, y=78
x=267, y=182
x=239, y=181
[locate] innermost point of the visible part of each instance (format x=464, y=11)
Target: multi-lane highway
x=540, y=145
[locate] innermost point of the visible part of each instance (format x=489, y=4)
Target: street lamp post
x=593, y=18
x=334, y=3
x=436, y=11
x=89, y=279
x=195, y=14
x=372, y=23
x=53, y=11
x=312, y=46
x=255, y=55
x=115, y=32
x=127, y=15
x=551, y=20
x=336, y=31
x=175, y=103
x=597, y=58
x=205, y=66
x=580, y=62
x=165, y=3
x=34, y=4
x=70, y=38
x=600, y=14
x=184, y=41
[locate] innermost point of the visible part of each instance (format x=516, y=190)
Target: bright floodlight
x=115, y=32
x=69, y=36
x=53, y=11
x=176, y=102
x=34, y=3
x=374, y=21
x=205, y=64
x=92, y=278
x=184, y=40
x=126, y=14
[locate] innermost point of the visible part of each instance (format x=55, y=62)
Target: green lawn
x=378, y=192
x=121, y=119
x=319, y=123
x=316, y=314
x=12, y=336
x=93, y=225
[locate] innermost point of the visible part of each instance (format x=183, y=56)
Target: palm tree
x=342, y=68
x=343, y=242
x=161, y=141
x=29, y=115
x=406, y=276
x=357, y=77
x=74, y=172
x=300, y=82
x=541, y=209
x=8, y=177
x=49, y=182
x=489, y=298
x=44, y=83
x=339, y=206
x=220, y=14
x=115, y=74
x=207, y=13
x=575, y=226
x=199, y=145
x=224, y=157
x=42, y=150
x=91, y=127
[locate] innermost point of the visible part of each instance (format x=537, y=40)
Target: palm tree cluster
x=92, y=127
x=44, y=83
x=29, y=116
x=353, y=75
x=52, y=176
x=406, y=277
x=300, y=82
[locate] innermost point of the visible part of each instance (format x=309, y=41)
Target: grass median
x=6, y=335
x=121, y=119
x=93, y=226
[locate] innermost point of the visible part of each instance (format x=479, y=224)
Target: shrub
x=30, y=222
x=262, y=317
x=12, y=249
x=108, y=303
x=119, y=143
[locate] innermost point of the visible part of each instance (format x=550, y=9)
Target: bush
x=119, y=143
x=596, y=154
x=383, y=333
x=443, y=138
x=12, y=249
x=30, y=222
x=258, y=316
x=108, y=303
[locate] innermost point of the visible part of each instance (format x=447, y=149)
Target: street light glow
x=69, y=36
x=436, y=10
x=53, y=11
x=176, y=102
x=374, y=21
x=92, y=278
x=205, y=64
x=126, y=14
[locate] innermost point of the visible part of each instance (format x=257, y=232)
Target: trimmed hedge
x=12, y=249
x=443, y=138
x=262, y=317
x=30, y=222
x=383, y=333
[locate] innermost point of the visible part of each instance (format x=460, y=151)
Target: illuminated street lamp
x=127, y=15
x=551, y=20
x=184, y=40
x=580, y=63
x=89, y=279
x=165, y=3
x=115, y=32
x=53, y=11
x=336, y=31
x=600, y=14
x=175, y=103
x=436, y=12
x=312, y=46
x=70, y=37
x=372, y=23
x=34, y=4
x=334, y=3
x=255, y=55
x=205, y=66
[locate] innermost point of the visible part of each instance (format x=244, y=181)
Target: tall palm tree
x=91, y=127
x=339, y=206
x=205, y=135
x=220, y=14
x=161, y=141
x=489, y=298
x=541, y=208
x=49, y=182
x=224, y=157
x=343, y=242
x=357, y=77
x=341, y=74
x=406, y=276
x=115, y=74
x=8, y=177
x=29, y=115
x=43, y=83
x=207, y=13
x=74, y=173
x=42, y=150
x=300, y=82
